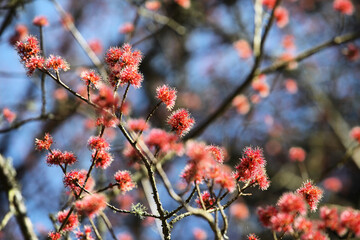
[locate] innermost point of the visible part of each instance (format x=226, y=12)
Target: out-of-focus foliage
x=204, y=50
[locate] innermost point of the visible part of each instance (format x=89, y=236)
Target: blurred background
x=203, y=49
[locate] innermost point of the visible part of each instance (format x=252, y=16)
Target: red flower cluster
x=102, y=158
x=45, y=143
x=281, y=16
x=252, y=168
x=126, y=28
x=36, y=62
x=124, y=65
x=207, y=200
x=100, y=154
x=344, y=6
x=72, y=221
x=137, y=125
x=86, y=235
x=180, y=121
x=241, y=103
x=350, y=219
x=297, y=154
x=167, y=95
x=29, y=52
x=54, y=235
x=203, y=164
x=40, y=21
x=269, y=3
x=217, y=153
x=9, y=115
x=75, y=176
x=292, y=204
x=90, y=77
x=290, y=214
x=98, y=143
x=355, y=133
x=106, y=99
x=253, y=237
x=56, y=157
x=352, y=52
x=123, y=178
x=160, y=140
x=20, y=34
x=91, y=205
x=261, y=86
x=311, y=194
x=56, y=63
x=243, y=49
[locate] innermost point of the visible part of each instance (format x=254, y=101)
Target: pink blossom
x=292, y=203
x=167, y=95
x=21, y=32
x=91, y=205
x=252, y=236
x=333, y=184
x=184, y=3
x=41, y=21
x=239, y=211
x=56, y=157
x=344, y=6
x=123, y=178
x=207, y=200
x=281, y=16
x=56, y=63
x=243, y=48
x=297, y=154
x=269, y=3
x=45, y=143
x=72, y=221
x=180, y=121
x=138, y=125
x=265, y=214
x=252, y=168
x=90, y=77
x=199, y=234
x=76, y=176
x=102, y=158
x=241, y=103
x=291, y=86
x=126, y=28
x=260, y=85
x=98, y=143
x=355, y=133
x=9, y=115
x=153, y=5
x=96, y=46
x=311, y=194
x=288, y=42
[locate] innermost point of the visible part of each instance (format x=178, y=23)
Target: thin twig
x=148, y=118
x=181, y=206
x=171, y=23
x=108, y=225
x=82, y=42
x=273, y=68
x=227, y=101
x=43, y=91
x=123, y=100
x=200, y=197
x=95, y=229
x=23, y=122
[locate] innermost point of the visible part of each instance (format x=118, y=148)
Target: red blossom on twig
x=180, y=121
